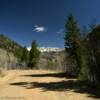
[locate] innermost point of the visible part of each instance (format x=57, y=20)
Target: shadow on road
x=68, y=85
x=57, y=75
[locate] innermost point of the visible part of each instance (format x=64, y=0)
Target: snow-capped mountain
x=48, y=49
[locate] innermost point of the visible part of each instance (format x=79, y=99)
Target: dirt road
x=43, y=85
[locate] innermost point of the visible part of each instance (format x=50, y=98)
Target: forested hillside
x=10, y=45
x=10, y=53
x=7, y=60
x=53, y=61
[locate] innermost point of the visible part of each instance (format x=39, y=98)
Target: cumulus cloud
x=39, y=28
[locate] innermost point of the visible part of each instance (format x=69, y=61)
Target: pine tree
x=73, y=42
x=24, y=57
x=34, y=55
x=93, y=54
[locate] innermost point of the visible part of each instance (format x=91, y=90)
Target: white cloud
x=61, y=31
x=39, y=28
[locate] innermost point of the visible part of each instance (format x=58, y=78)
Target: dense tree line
x=84, y=52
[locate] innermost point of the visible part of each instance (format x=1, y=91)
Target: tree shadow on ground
x=69, y=85
x=57, y=75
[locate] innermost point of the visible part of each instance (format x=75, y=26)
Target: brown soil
x=43, y=85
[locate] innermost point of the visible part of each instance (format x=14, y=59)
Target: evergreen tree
x=73, y=42
x=93, y=54
x=24, y=57
x=34, y=55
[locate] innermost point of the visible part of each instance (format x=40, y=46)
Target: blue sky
x=44, y=20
